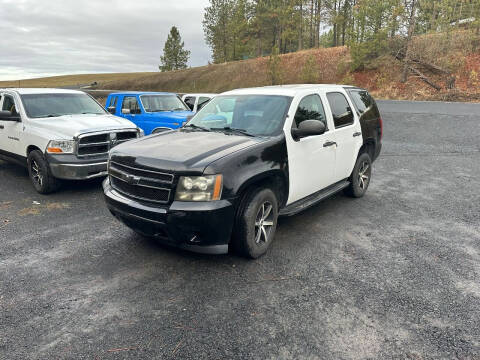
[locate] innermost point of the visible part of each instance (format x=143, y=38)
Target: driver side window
x=310, y=108
x=131, y=103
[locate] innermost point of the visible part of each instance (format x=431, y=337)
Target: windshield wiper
x=233, y=130
x=53, y=115
x=178, y=109
x=193, y=126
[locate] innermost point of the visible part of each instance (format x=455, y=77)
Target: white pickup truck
x=59, y=134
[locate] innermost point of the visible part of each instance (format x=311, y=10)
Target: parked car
x=247, y=157
x=151, y=111
x=196, y=101
x=58, y=134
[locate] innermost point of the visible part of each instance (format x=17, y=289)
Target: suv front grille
x=99, y=144
x=142, y=184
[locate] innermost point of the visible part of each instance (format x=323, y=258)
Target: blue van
x=150, y=111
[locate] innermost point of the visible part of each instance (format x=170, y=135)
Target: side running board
x=313, y=199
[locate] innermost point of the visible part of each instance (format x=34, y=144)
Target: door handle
x=357, y=134
x=1, y=127
x=329, y=143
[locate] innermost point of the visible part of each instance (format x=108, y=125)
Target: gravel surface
x=395, y=274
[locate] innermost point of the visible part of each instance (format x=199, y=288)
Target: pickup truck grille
x=99, y=144
x=142, y=184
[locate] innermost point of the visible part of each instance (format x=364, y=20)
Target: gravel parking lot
x=395, y=274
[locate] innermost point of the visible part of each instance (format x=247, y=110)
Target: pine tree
x=218, y=30
x=174, y=57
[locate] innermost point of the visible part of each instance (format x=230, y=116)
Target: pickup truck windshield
x=54, y=105
x=157, y=103
x=258, y=115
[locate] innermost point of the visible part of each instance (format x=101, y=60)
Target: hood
x=187, y=151
x=67, y=126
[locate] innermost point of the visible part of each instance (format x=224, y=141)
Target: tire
x=40, y=174
x=361, y=176
x=256, y=223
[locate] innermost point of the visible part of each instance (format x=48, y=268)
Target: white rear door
x=311, y=161
x=348, y=133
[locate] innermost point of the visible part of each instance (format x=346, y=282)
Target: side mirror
x=9, y=116
x=309, y=128
x=126, y=111
x=111, y=109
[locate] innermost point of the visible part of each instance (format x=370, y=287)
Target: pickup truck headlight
x=61, y=147
x=199, y=188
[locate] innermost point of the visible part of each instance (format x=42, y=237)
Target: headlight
x=60, y=147
x=141, y=133
x=199, y=188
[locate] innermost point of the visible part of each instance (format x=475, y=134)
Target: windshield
x=53, y=105
x=259, y=115
x=156, y=103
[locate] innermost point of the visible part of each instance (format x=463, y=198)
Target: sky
x=58, y=37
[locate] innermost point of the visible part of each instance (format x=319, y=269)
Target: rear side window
x=131, y=103
x=310, y=108
x=190, y=101
x=8, y=104
x=341, y=111
x=362, y=100
x=113, y=101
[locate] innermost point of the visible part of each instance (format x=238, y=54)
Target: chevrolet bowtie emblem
x=131, y=179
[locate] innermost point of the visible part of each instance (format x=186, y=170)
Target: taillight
x=381, y=128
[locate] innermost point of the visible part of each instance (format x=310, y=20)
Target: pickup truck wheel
x=40, y=174
x=256, y=223
x=360, y=178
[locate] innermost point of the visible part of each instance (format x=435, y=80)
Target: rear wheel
x=360, y=178
x=40, y=174
x=256, y=223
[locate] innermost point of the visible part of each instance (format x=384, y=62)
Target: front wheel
x=40, y=175
x=256, y=223
x=360, y=178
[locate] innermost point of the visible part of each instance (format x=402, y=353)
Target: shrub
x=309, y=72
x=275, y=67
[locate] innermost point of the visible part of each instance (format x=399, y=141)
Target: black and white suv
x=247, y=157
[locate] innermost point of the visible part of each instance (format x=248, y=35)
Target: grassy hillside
x=458, y=54
x=247, y=73
x=72, y=80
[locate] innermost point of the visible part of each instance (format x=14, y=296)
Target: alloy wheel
x=36, y=173
x=364, y=175
x=264, y=223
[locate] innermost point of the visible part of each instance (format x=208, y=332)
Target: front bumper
x=203, y=227
x=69, y=167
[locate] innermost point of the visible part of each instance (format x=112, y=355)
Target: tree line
x=240, y=29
